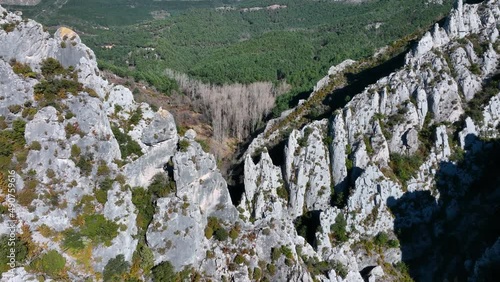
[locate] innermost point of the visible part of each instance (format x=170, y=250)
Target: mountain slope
x=108, y=189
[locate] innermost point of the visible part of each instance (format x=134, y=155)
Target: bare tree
x=235, y=110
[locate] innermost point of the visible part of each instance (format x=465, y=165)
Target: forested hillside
x=245, y=42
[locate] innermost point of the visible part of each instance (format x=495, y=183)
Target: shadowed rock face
x=332, y=181
x=447, y=238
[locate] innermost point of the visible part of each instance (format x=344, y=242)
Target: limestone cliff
x=394, y=177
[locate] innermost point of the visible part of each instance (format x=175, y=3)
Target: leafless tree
x=235, y=110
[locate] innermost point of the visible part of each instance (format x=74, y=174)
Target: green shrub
x=128, y=146
x=257, y=274
x=271, y=268
x=143, y=201
x=275, y=253
x=101, y=194
x=75, y=151
x=161, y=186
x=338, y=229
x=209, y=232
x=239, y=259
x=103, y=169
x=73, y=240
x=115, y=269
x=340, y=269
x=234, y=233
x=183, y=145
x=51, y=263
x=29, y=113
x=164, y=272
x=405, y=167
x=221, y=234
x=282, y=193
x=21, y=252
x=72, y=129
x=35, y=145
x=475, y=69
x=287, y=252
x=8, y=27
x=47, y=92
x=51, y=67
x=85, y=164
x=136, y=116
x=146, y=257
x=381, y=239
x=14, y=109
x=99, y=229
x=23, y=70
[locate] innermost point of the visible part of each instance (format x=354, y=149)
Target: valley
x=343, y=141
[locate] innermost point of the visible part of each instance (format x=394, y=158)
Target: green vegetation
x=35, y=145
x=296, y=43
x=23, y=70
x=128, y=146
x=75, y=151
x=11, y=142
x=52, y=263
x=239, y=259
x=85, y=164
x=340, y=269
x=51, y=67
x=144, y=199
x=21, y=252
x=101, y=194
x=115, y=269
x=183, y=145
x=234, y=232
x=57, y=82
x=283, y=193
x=338, y=229
x=405, y=167
x=164, y=272
x=215, y=228
x=8, y=27
x=383, y=240
x=221, y=234
x=475, y=106
x=161, y=186
x=73, y=240
x=99, y=229
x=257, y=274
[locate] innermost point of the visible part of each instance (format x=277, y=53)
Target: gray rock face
x=161, y=128
x=305, y=165
x=439, y=77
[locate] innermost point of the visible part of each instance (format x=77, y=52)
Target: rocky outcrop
x=391, y=119
x=329, y=203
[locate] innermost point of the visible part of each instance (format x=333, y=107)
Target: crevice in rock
x=168, y=167
x=307, y=225
x=277, y=153
x=365, y=272
x=473, y=1
x=236, y=183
